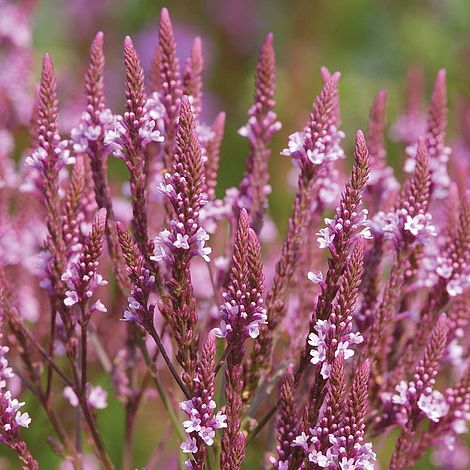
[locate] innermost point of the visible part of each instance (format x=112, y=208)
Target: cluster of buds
x=131, y=133
x=333, y=337
x=435, y=140
x=81, y=277
x=417, y=399
x=320, y=141
x=183, y=190
x=202, y=420
x=349, y=222
x=339, y=443
x=243, y=311
x=262, y=125
x=138, y=308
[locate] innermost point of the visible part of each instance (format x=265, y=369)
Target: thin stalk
x=161, y=391
x=51, y=352
x=108, y=465
x=100, y=351
x=128, y=436
x=89, y=418
x=223, y=358
x=84, y=359
x=82, y=367
x=261, y=424
x=46, y=357
x=156, y=337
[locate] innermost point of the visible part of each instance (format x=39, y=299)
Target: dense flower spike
x=131, y=134
x=354, y=338
x=169, y=83
x=320, y=138
x=435, y=140
x=352, y=451
x=183, y=189
x=82, y=277
x=320, y=141
x=241, y=316
x=49, y=157
x=243, y=312
x=74, y=215
x=341, y=446
x=316, y=443
x=287, y=422
x=330, y=422
x=88, y=137
x=417, y=399
x=349, y=224
x=202, y=420
x=138, y=308
x=192, y=76
x=261, y=126
x=334, y=336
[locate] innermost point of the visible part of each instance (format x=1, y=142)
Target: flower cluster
x=322, y=342
x=82, y=277
x=262, y=125
x=326, y=236
x=182, y=189
x=417, y=399
x=432, y=403
x=91, y=128
x=138, y=308
x=11, y=416
x=243, y=311
x=338, y=441
x=333, y=337
x=39, y=155
x=327, y=146
x=166, y=242
x=401, y=224
x=320, y=141
x=119, y=128
x=202, y=420
x=131, y=133
x=333, y=457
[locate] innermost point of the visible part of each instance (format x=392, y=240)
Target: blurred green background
x=372, y=43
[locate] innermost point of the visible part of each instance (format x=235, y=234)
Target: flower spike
x=261, y=126
x=170, y=87
x=192, y=76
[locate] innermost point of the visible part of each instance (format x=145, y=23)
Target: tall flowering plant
x=167, y=298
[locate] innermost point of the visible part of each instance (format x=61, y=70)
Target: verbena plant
x=349, y=328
